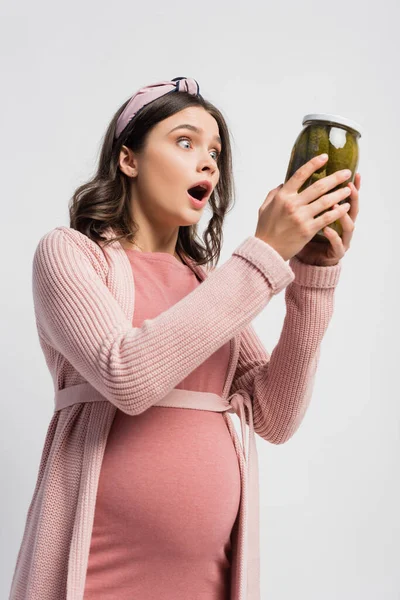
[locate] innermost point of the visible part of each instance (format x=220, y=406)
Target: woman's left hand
x=327, y=255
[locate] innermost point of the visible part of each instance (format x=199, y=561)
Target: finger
x=336, y=242
x=303, y=173
x=348, y=229
x=328, y=216
x=318, y=191
x=357, y=181
x=353, y=199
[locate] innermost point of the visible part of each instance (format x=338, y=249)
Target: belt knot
x=238, y=401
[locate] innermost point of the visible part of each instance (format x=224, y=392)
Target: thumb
x=271, y=195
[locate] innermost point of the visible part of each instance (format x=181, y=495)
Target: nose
x=207, y=163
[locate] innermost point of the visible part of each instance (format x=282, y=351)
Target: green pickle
x=336, y=136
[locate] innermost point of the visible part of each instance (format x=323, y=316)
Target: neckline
x=158, y=255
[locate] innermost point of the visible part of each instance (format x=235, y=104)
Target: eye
x=183, y=140
x=186, y=139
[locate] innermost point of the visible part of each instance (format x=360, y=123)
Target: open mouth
x=198, y=192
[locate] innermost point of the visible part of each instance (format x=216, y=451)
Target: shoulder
x=63, y=242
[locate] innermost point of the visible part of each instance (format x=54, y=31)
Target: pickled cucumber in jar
x=337, y=137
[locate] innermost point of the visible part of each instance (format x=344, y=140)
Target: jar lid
x=336, y=119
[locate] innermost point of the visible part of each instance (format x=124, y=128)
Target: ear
x=128, y=162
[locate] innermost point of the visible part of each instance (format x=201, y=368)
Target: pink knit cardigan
x=84, y=299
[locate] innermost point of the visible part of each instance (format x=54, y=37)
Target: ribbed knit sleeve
x=134, y=367
x=281, y=384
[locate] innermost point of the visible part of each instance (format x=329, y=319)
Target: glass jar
x=338, y=137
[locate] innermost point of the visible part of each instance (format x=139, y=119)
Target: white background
x=330, y=497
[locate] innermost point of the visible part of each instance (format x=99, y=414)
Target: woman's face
x=173, y=161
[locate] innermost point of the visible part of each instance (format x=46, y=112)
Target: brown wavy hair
x=104, y=201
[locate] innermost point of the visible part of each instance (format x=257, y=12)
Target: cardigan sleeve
x=281, y=384
x=134, y=367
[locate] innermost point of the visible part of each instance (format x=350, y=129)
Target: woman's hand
x=289, y=219
x=327, y=255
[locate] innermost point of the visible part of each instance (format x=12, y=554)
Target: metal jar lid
x=334, y=119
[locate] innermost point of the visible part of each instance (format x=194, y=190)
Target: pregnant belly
x=169, y=493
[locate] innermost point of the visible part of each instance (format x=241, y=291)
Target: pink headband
x=151, y=92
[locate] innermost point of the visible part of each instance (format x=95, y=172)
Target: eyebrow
x=195, y=129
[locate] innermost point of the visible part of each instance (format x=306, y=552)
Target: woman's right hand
x=287, y=220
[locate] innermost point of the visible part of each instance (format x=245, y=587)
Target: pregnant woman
x=145, y=491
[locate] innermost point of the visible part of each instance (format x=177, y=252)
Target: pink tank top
x=169, y=487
